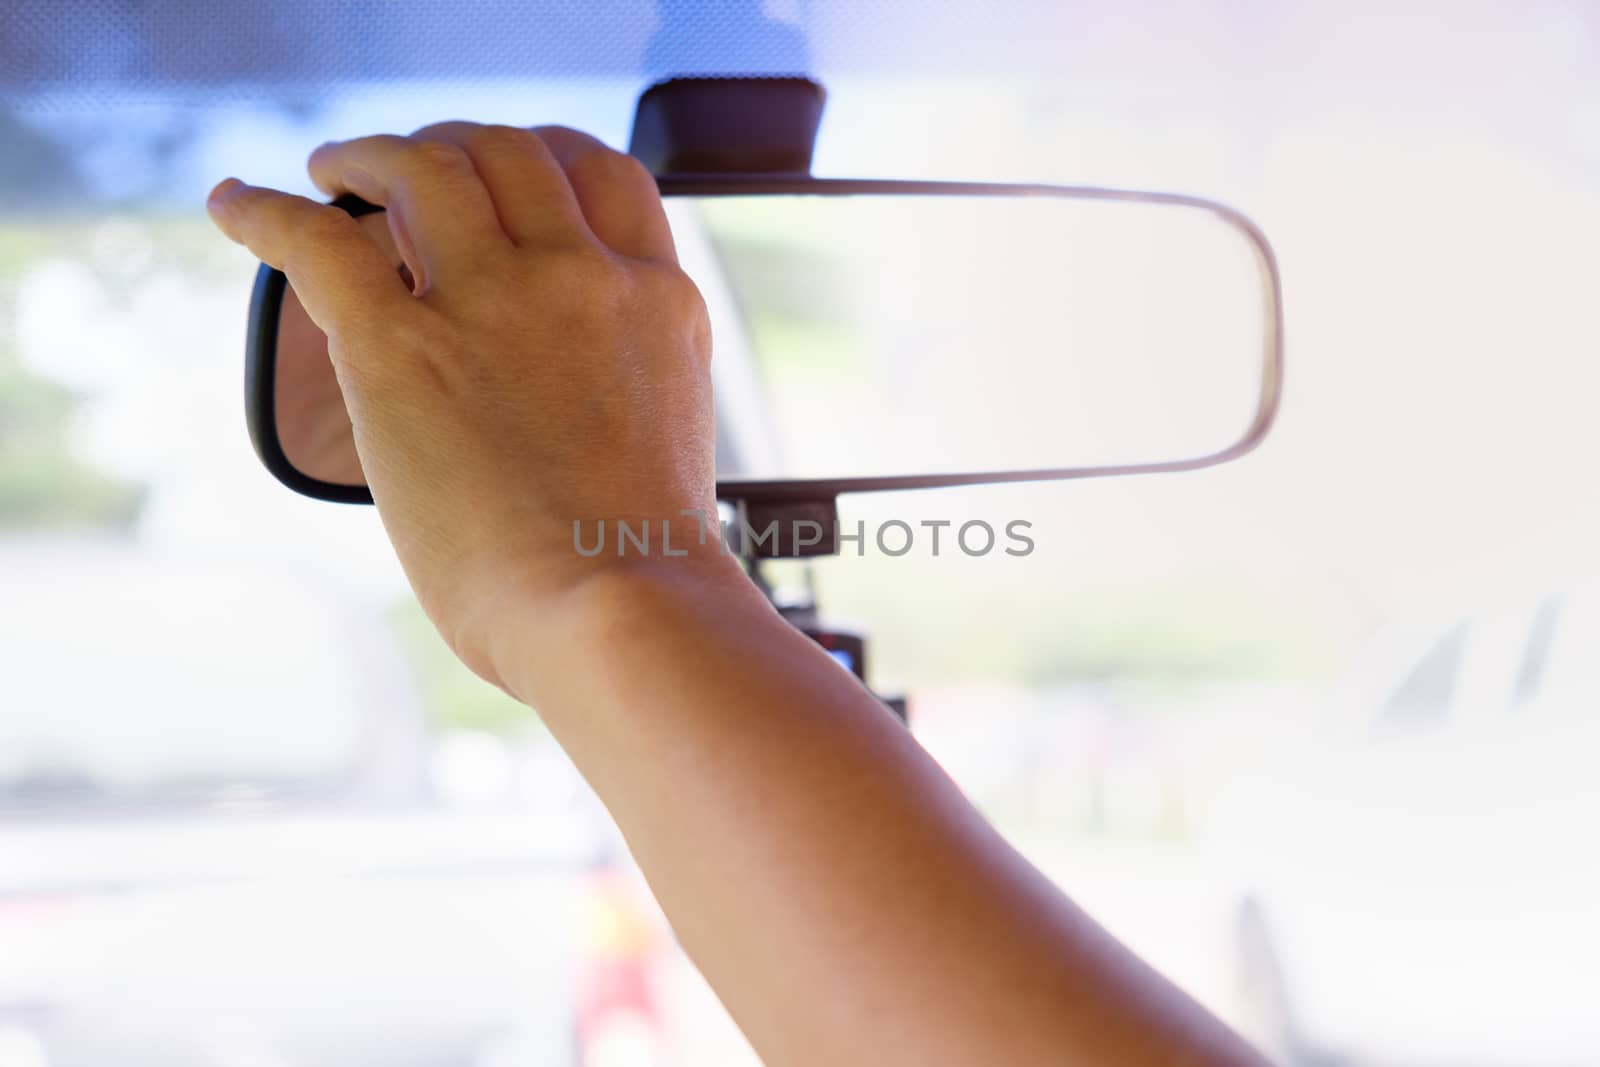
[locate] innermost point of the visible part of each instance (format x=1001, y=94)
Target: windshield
x=130, y=678
x=1160, y=701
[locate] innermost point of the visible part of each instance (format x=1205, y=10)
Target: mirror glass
x=885, y=336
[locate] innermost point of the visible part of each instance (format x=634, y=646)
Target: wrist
x=540, y=644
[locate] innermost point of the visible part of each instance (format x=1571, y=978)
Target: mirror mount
x=728, y=126
x=785, y=529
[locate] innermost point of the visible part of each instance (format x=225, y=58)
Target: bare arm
x=845, y=901
x=839, y=893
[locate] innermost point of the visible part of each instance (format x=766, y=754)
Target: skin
x=552, y=363
x=313, y=425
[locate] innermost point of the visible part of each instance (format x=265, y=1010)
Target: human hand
x=549, y=364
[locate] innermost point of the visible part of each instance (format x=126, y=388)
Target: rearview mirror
x=888, y=335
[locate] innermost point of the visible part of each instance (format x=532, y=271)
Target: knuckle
x=603, y=282
x=674, y=292
x=439, y=156
x=589, y=280
x=604, y=164
x=685, y=306
x=588, y=289
x=497, y=138
x=680, y=290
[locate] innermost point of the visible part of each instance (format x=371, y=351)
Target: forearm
x=731, y=752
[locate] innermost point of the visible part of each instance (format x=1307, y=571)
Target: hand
x=549, y=365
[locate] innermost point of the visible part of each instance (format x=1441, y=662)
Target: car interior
x=1177, y=415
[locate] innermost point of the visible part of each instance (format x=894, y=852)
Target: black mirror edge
x=260, y=400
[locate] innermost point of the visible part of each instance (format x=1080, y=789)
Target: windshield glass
x=132, y=678
x=1165, y=700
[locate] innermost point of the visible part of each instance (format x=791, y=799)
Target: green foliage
x=43, y=485
x=20, y=248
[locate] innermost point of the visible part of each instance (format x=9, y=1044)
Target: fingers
x=452, y=186
x=617, y=195
x=439, y=211
x=342, y=277
x=546, y=181
x=531, y=195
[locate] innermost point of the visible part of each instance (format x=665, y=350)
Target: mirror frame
x=266, y=301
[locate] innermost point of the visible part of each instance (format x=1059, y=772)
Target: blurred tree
x=42, y=484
